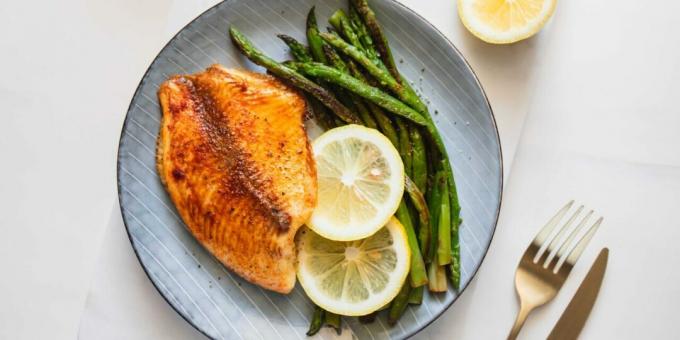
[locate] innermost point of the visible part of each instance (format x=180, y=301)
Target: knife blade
x=574, y=317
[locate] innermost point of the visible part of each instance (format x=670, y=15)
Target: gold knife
x=571, y=322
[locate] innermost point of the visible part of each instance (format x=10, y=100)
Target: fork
x=537, y=280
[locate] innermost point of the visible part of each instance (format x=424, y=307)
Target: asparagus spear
x=379, y=38
x=436, y=273
x=292, y=76
x=454, y=272
x=323, y=117
x=437, y=277
x=352, y=84
x=419, y=159
x=455, y=238
x=334, y=59
x=381, y=44
x=416, y=295
x=297, y=49
x=342, y=24
x=444, y=231
x=334, y=321
x=317, y=321
x=419, y=202
x=405, y=146
x=435, y=203
x=364, y=36
x=313, y=39
x=418, y=273
x=399, y=304
x=384, y=123
x=420, y=174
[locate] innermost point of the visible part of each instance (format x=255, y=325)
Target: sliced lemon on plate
x=360, y=182
x=504, y=21
x=353, y=277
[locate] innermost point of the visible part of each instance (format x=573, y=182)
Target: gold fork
x=537, y=280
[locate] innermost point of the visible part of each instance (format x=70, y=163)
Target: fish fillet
x=234, y=157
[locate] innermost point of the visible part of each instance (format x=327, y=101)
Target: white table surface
x=586, y=110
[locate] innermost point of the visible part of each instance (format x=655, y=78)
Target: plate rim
x=402, y=6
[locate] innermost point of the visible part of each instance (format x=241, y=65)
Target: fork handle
x=524, y=311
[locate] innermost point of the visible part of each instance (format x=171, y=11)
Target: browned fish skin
x=234, y=157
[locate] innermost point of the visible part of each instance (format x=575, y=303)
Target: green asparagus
x=416, y=295
x=418, y=273
x=454, y=267
x=399, y=304
x=405, y=149
x=379, y=38
x=313, y=39
x=317, y=321
x=333, y=320
x=418, y=201
x=342, y=24
x=352, y=84
x=444, y=231
x=297, y=49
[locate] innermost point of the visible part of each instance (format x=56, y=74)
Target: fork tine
x=557, y=239
x=568, y=241
x=550, y=226
x=576, y=252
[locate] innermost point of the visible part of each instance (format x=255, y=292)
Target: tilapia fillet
x=234, y=157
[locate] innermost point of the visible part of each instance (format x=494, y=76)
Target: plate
x=219, y=303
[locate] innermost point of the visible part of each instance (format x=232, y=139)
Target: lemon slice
x=354, y=277
x=360, y=182
x=504, y=21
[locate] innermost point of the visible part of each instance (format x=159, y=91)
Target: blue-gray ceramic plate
x=218, y=302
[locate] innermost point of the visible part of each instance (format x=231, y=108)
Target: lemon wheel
x=353, y=277
x=360, y=183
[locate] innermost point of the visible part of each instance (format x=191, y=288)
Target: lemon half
x=353, y=277
x=360, y=182
x=504, y=21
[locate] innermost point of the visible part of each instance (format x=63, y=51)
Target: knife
x=571, y=322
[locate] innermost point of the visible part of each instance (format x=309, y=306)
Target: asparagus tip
x=311, y=17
